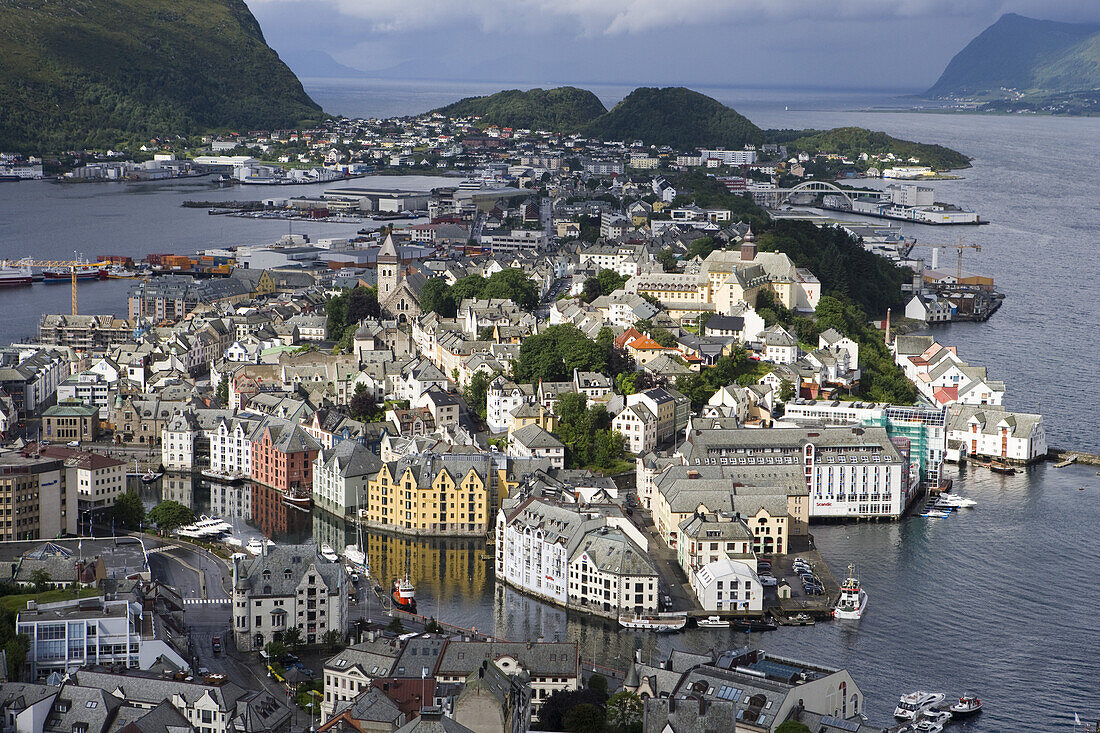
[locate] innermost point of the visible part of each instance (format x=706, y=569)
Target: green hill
x=1027, y=55
x=562, y=109
x=851, y=141
x=94, y=73
x=677, y=117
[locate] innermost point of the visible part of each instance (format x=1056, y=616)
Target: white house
x=728, y=585
x=533, y=441
x=780, y=346
x=993, y=432
x=340, y=477
x=638, y=425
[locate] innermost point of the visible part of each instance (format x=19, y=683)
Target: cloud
x=618, y=17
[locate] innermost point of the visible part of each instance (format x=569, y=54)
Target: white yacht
x=955, y=500
x=713, y=622
x=915, y=703
x=853, y=599
x=660, y=622
x=329, y=554
x=256, y=545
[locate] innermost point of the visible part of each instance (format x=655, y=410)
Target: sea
x=994, y=600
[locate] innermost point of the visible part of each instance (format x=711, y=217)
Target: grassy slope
x=90, y=72
x=562, y=109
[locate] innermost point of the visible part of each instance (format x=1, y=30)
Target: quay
x=1064, y=457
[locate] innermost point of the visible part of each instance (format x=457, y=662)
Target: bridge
x=777, y=196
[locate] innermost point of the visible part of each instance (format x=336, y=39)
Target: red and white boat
x=404, y=594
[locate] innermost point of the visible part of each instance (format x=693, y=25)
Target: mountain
x=562, y=109
x=677, y=117
x=94, y=73
x=309, y=62
x=1028, y=55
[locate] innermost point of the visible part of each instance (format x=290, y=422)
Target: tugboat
x=404, y=594
x=853, y=599
x=967, y=705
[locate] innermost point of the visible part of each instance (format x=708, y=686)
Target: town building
x=288, y=586
x=70, y=420
x=993, y=432
x=341, y=476
x=97, y=480
x=36, y=502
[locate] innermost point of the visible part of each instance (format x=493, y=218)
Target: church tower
x=748, y=247
x=389, y=267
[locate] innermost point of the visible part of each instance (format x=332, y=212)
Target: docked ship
x=853, y=599
x=15, y=276
x=83, y=272
x=404, y=594
x=299, y=499
x=222, y=477
x=659, y=622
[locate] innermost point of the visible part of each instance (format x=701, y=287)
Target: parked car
x=216, y=643
x=768, y=580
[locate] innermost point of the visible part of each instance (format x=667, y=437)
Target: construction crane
x=73, y=265
x=959, y=247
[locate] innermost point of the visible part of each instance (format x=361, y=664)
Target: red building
x=282, y=457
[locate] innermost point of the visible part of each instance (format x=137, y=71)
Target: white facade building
x=728, y=585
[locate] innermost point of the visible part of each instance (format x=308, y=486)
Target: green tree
x=792, y=726
x=435, y=298
x=16, y=649
x=515, y=285
x=610, y=281
x=168, y=515
x=591, y=290
x=333, y=640
x=553, y=354
x=585, y=718
x=668, y=260
x=786, y=391
x=362, y=303
x=128, y=511
x=363, y=407
x=624, y=710
x=700, y=247
x=41, y=579
x=336, y=310
x=475, y=393
x=598, y=683
x=292, y=637
x=396, y=626
x=275, y=651
x=663, y=337
x=223, y=391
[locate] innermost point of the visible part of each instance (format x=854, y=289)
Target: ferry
x=660, y=622
x=911, y=705
x=10, y=276
x=853, y=599
x=404, y=594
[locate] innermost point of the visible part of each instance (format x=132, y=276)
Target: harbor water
x=998, y=600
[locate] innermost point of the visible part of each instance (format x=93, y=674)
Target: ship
x=10, y=276
x=659, y=622
x=83, y=272
x=404, y=594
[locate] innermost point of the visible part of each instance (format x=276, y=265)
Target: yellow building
x=432, y=494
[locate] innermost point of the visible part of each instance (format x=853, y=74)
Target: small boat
x=256, y=545
x=954, y=501
x=301, y=501
x=356, y=558
x=932, y=721
x=801, y=619
x=329, y=554
x=751, y=625
x=404, y=594
x=659, y=622
x=911, y=705
x=713, y=622
x=223, y=477
x=1000, y=466
x=853, y=599
x=967, y=705
x=150, y=476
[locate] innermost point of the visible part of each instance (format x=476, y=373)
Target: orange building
x=282, y=456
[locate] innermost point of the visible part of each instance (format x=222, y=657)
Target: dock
x=1065, y=458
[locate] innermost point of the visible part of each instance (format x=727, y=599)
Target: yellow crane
x=73, y=266
x=958, y=246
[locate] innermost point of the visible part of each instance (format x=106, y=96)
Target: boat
x=11, y=276
x=302, y=501
x=221, y=476
x=83, y=272
x=329, y=554
x=911, y=705
x=1000, y=466
x=404, y=594
x=150, y=476
x=954, y=501
x=801, y=619
x=853, y=599
x=967, y=705
x=659, y=622
x=713, y=622
x=256, y=545
x=749, y=625
x=356, y=559
x=932, y=721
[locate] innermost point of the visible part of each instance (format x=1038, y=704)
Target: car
x=203, y=671
x=216, y=644
x=808, y=578
x=768, y=581
x=73, y=444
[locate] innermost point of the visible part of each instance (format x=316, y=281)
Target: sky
x=835, y=44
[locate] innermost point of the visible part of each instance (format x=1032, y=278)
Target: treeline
x=439, y=297
x=851, y=141
x=344, y=311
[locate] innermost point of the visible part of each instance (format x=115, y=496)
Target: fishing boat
x=853, y=599
x=404, y=594
x=915, y=703
x=83, y=272
x=10, y=276
x=1001, y=466
x=967, y=705
x=301, y=500
x=150, y=476
x=659, y=622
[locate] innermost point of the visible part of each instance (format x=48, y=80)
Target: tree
x=624, y=710
x=476, y=392
x=128, y=511
x=337, y=311
x=584, y=718
x=663, y=337
x=223, y=391
x=786, y=391
x=41, y=579
x=15, y=649
x=363, y=407
x=591, y=290
x=792, y=726
x=168, y=515
x=701, y=321
x=333, y=640
x=514, y=284
x=598, y=683
x=553, y=355
x=554, y=709
x=668, y=260
x=435, y=298
x=292, y=637
x=275, y=651
x=362, y=303
x=610, y=281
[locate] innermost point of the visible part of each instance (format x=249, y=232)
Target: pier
x=1063, y=458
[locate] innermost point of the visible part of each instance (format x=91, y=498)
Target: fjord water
x=998, y=600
